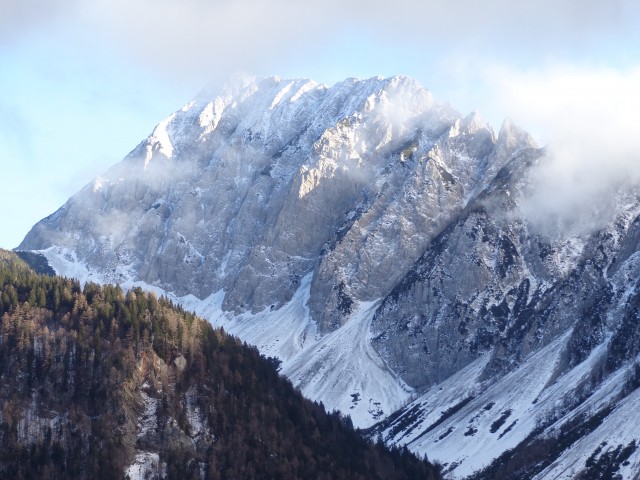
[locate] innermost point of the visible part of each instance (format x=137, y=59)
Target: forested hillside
x=96, y=382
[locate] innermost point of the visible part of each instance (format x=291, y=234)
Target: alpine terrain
x=375, y=241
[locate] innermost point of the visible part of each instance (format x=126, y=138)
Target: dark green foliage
x=37, y=262
x=345, y=303
x=400, y=421
x=508, y=429
x=73, y=362
x=407, y=420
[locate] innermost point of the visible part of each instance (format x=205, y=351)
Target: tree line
x=78, y=363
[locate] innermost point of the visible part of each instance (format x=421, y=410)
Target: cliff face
x=542, y=329
x=96, y=383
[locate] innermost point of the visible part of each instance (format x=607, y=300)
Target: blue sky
x=82, y=83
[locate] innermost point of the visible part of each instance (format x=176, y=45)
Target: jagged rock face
x=556, y=318
x=276, y=187
x=489, y=282
x=426, y=184
x=250, y=191
x=466, y=290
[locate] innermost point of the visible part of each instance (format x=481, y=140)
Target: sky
x=82, y=82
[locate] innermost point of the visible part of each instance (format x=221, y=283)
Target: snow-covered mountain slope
x=480, y=423
x=374, y=240
x=554, y=396
x=246, y=194
x=528, y=424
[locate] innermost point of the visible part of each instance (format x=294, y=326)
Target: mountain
x=289, y=210
x=378, y=243
x=99, y=383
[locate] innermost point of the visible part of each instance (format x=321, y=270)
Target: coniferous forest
x=92, y=377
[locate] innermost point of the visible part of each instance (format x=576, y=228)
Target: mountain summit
x=373, y=239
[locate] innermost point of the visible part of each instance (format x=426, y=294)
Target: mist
x=212, y=39
x=589, y=119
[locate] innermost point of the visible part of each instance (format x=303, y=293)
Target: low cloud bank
x=591, y=120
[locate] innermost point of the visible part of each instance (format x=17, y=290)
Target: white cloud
x=221, y=36
x=19, y=16
x=590, y=117
x=216, y=37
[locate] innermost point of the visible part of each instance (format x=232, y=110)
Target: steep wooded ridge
x=99, y=383
x=378, y=243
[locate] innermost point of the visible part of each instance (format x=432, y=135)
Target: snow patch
x=211, y=115
x=160, y=141
x=619, y=430
x=343, y=371
x=146, y=466
x=466, y=427
x=148, y=420
x=280, y=95
x=307, y=87
x=65, y=262
x=99, y=183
